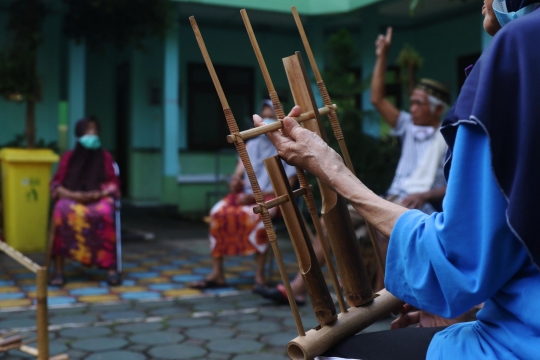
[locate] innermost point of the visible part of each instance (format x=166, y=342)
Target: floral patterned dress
x=86, y=232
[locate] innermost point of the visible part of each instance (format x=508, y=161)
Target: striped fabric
x=415, y=141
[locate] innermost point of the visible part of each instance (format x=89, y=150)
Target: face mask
x=504, y=17
x=269, y=121
x=90, y=142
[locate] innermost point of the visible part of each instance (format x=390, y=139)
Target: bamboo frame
x=323, y=305
x=251, y=133
x=42, y=318
x=308, y=196
x=241, y=148
x=366, y=307
x=335, y=213
x=334, y=122
x=317, y=341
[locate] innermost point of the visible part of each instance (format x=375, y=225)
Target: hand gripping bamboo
x=241, y=148
x=308, y=196
x=334, y=122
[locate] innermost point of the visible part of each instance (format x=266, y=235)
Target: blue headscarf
x=515, y=5
x=502, y=96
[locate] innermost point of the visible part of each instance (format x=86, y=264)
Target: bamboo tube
x=20, y=258
x=9, y=340
x=335, y=213
x=323, y=305
x=308, y=197
x=317, y=341
x=334, y=122
x=241, y=148
x=280, y=200
x=254, y=132
x=42, y=314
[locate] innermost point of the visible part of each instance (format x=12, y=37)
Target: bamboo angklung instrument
x=334, y=122
x=308, y=196
x=241, y=148
x=334, y=211
x=345, y=246
x=315, y=341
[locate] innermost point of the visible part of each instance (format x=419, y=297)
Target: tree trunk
x=411, y=77
x=31, y=108
x=31, y=123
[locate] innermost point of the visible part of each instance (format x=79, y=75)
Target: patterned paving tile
x=99, y=298
x=152, y=275
x=140, y=295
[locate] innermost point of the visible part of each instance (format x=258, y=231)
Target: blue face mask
x=269, y=121
x=90, y=142
x=504, y=17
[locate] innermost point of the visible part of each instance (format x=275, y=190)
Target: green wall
x=12, y=115
x=439, y=43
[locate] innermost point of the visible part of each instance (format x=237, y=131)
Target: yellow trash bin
x=26, y=175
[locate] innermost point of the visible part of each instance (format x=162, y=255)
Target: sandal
x=278, y=295
x=208, y=284
x=114, y=279
x=58, y=280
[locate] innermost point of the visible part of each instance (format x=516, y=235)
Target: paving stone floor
x=227, y=327
x=154, y=315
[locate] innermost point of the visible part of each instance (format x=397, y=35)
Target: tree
x=374, y=159
x=95, y=22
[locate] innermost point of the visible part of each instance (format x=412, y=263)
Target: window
x=207, y=128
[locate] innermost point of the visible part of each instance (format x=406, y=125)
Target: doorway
x=123, y=85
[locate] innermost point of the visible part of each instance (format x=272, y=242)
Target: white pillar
x=171, y=113
x=76, y=87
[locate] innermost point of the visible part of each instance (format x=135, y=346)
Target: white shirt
x=415, y=141
x=258, y=149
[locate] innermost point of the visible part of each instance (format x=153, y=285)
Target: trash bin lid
x=13, y=155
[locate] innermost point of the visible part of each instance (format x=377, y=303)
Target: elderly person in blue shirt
x=484, y=246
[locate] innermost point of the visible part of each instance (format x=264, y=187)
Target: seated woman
x=234, y=228
x=84, y=190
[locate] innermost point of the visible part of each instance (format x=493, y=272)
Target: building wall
x=448, y=39
x=12, y=115
x=226, y=47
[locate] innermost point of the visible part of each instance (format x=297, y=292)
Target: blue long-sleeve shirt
x=447, y=262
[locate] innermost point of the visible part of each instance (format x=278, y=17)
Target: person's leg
x=113, y=277
x=298, y=287
x=58, y=277
x=215, y=279
x=217, y=274
x=406, y=344
x=260, y=279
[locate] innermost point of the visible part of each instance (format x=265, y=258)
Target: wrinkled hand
x=410, y=316
x=414, y=201
x=303, y=148
x=245, y=199
x=236, y=185
x=383, y=42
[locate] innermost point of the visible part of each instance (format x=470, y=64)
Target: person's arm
x=307, y=150
x=378, y=93
x=448, y=262
x=416, y=201
x=237, y=184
